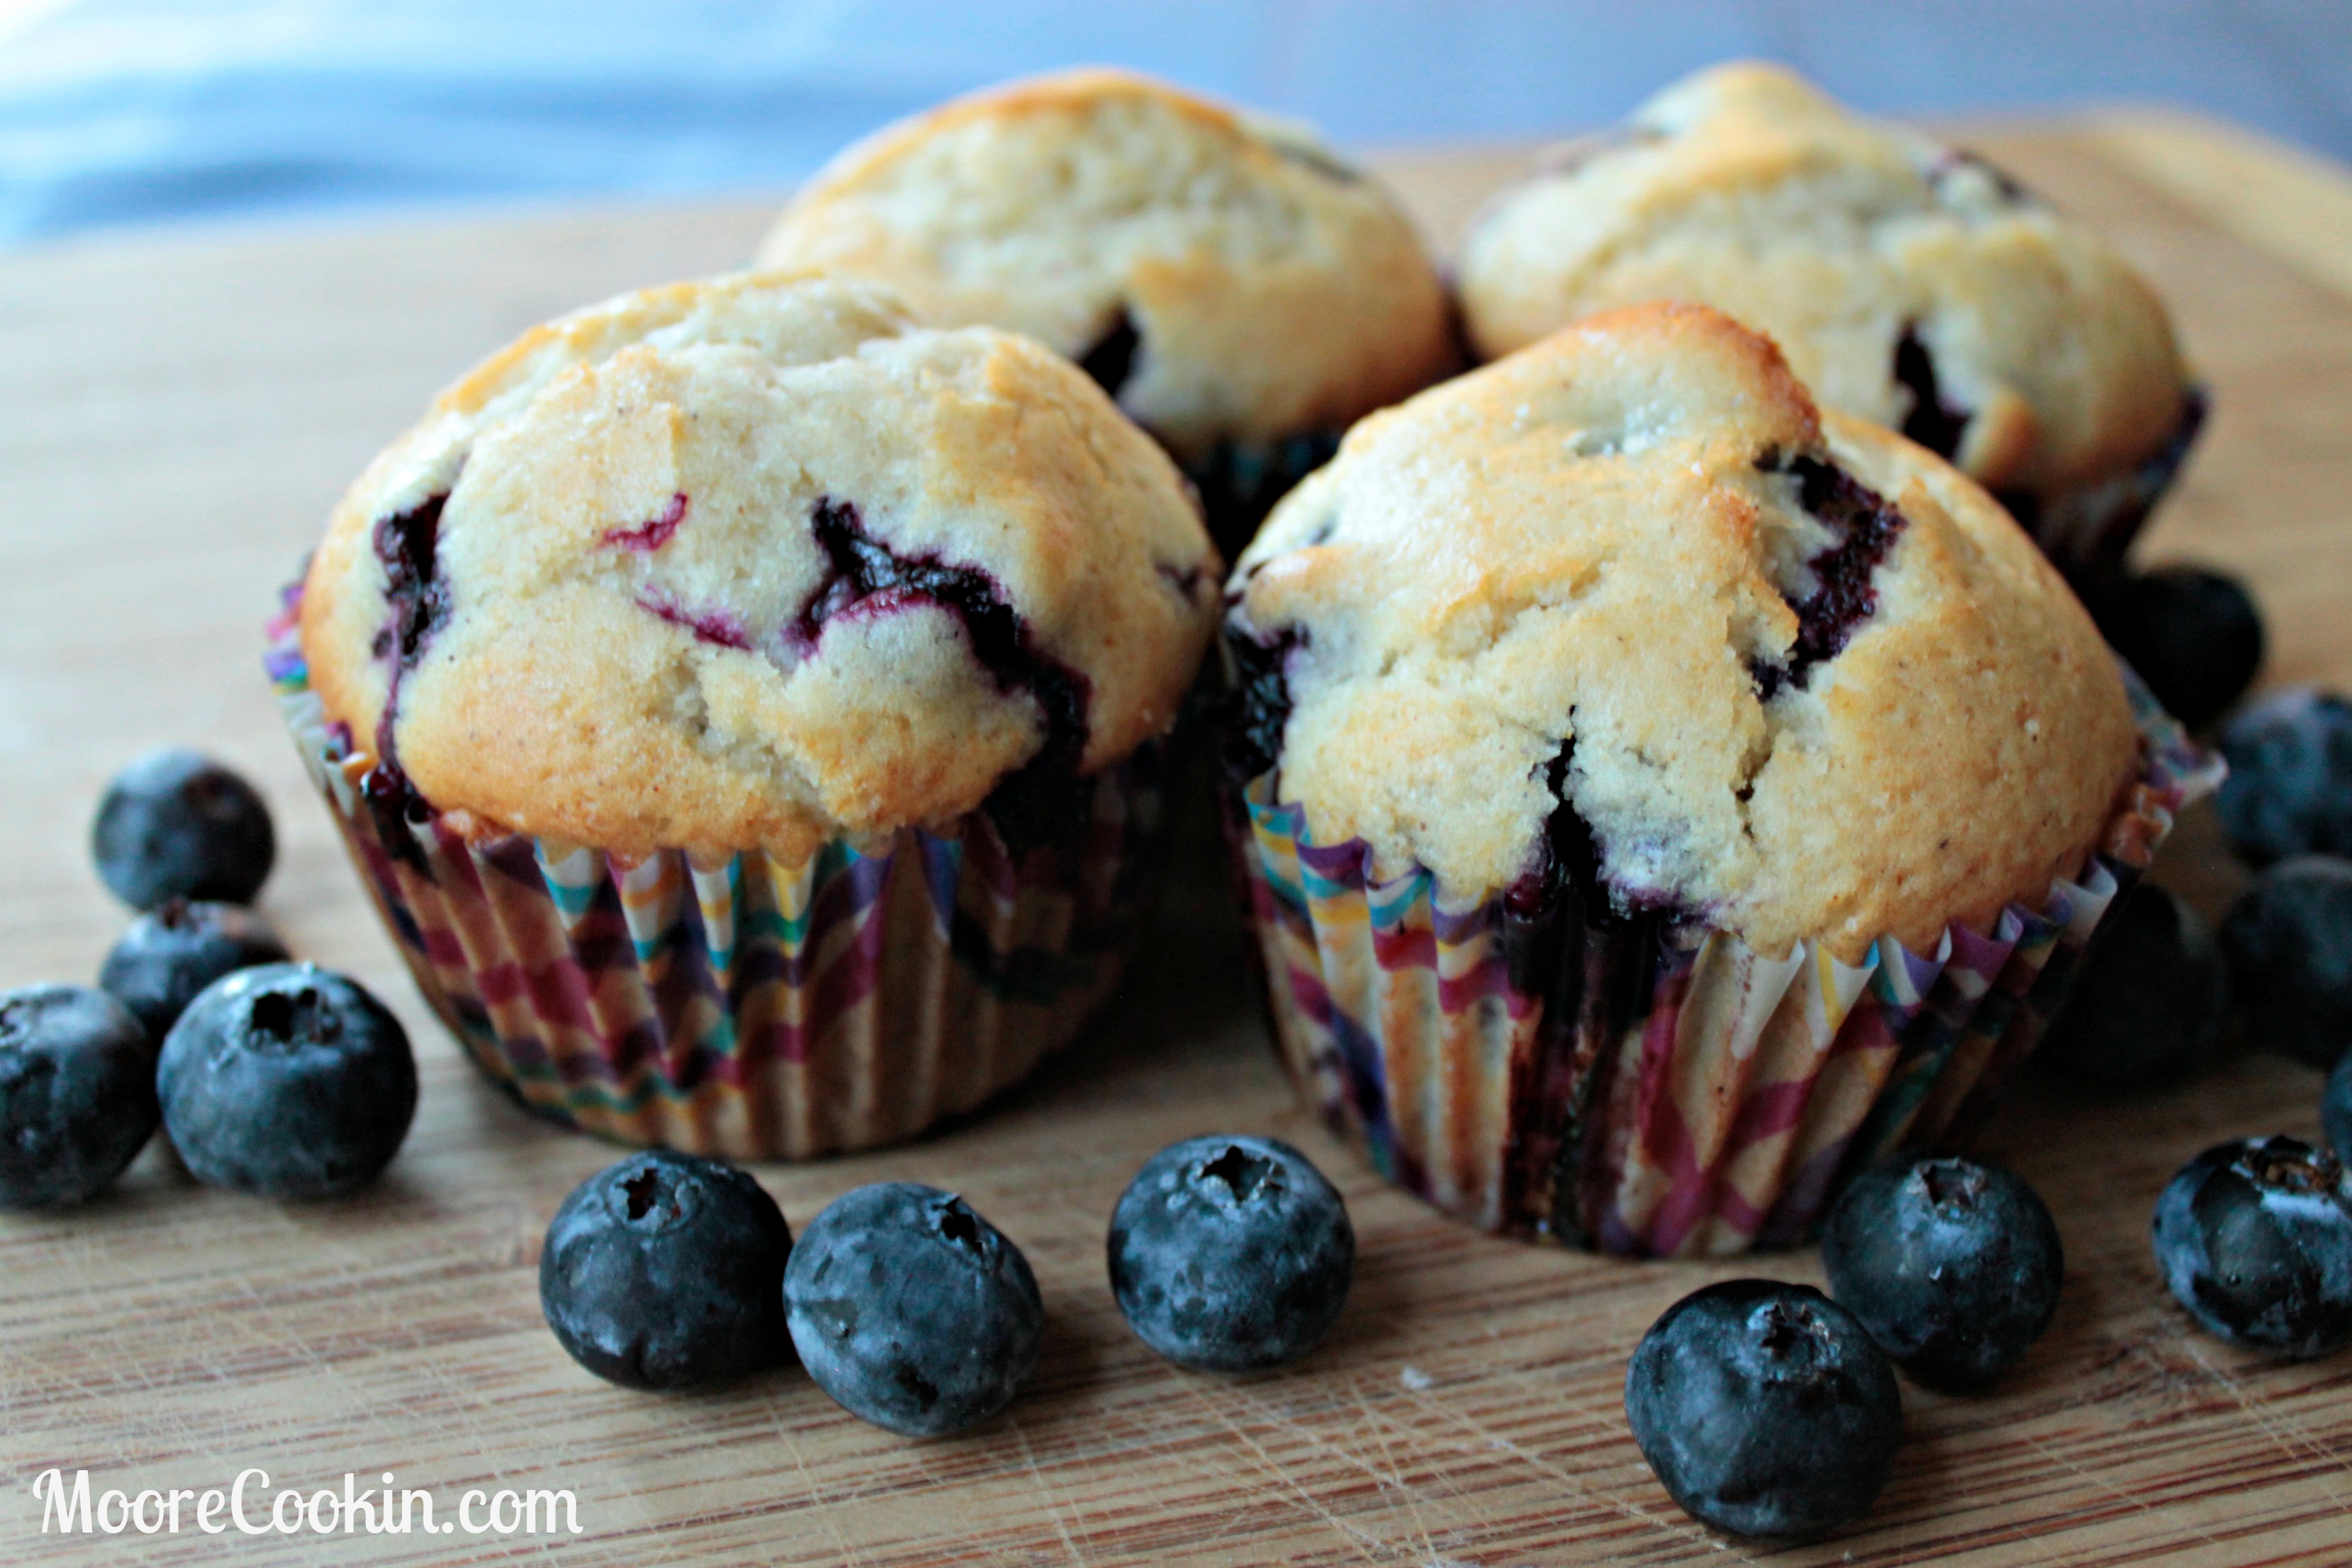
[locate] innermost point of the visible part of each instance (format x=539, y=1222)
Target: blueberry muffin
x=1613, y=725
x=1241, y=291
x=746, y=704
x=1909, y=284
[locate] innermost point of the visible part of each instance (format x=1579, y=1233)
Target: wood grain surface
x=176, y=417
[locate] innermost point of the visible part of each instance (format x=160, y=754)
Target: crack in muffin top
x=1910, y=284
x=1799, y=677
x=756, y=562
x=1225, y=276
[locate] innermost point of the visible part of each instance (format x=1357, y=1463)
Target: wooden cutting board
x=177, y=414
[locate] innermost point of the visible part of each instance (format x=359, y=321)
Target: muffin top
x=1909, y=284
x=1785, y=672
x=755, y=563
x=1222, y=275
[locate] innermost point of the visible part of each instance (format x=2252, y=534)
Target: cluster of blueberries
x=2255, y=1235
x=271, y=1077
x=664, y=1271
x=1770, y=1410
x=668, y=1270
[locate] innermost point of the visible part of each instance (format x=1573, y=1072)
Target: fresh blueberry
x=1765, y=1409
x=1231, y=1253
x=1953, y=1266
x=2335, y=1108
x=2290, y=787
x=177, y=824
x=666, y=1270
x=2194, y=635
x=2256, y=1239
x=2151, y=998
x=175, y=951
x=911, y=1311
x=77, y=1094
x=287, y=1081
x=2289, y=942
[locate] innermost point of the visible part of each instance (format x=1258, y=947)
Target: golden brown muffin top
x=754, y=562
x=1270, y=289
x=1908, y=284
x=1796, y=676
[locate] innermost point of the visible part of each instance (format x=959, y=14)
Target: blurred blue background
x=115, y=112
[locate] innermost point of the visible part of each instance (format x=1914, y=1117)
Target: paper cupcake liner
x=1700, y=1099
x=2086, y=531
x=747, y=1005
x=1239, y=481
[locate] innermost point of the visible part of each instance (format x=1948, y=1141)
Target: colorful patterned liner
x=748, y=1007
x=2086, y=532
x=1702, y=1098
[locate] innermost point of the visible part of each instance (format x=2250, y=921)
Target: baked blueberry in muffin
x=727, y=657
x=1617, y=679
x=1908, y=283
x=1627, y=611
x=1242, y=294
x=754, y=562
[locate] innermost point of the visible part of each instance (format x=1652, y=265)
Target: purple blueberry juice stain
x=1592, y=948
x=399, y=808
x=1587, y=947
x=1864, y=526
x=1566, y=858
x=865, y=577
x=1257, y=710
x=1111, y=360
x=650, y=535
x=1568, y=869
x=1934, y=421
x=715, y=626
x=407, y=544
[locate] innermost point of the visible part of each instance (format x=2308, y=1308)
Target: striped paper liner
x=2086, y=531
x=1700, y=1099
x=746, y=1006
